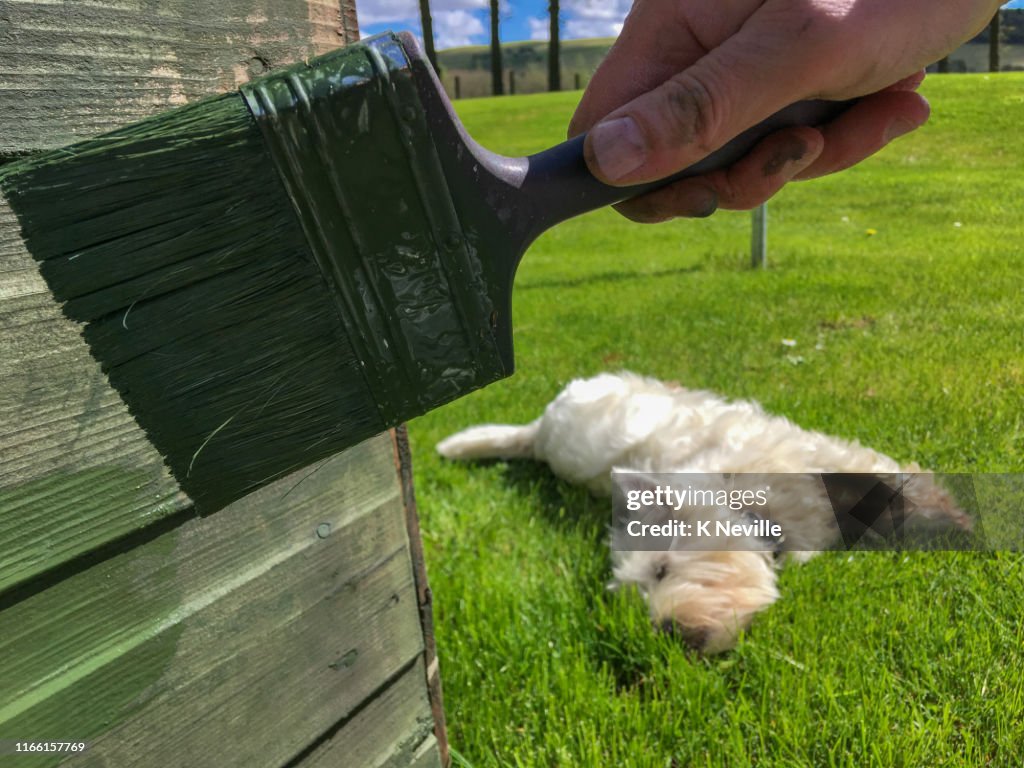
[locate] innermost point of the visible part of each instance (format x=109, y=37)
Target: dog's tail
x=491, y=441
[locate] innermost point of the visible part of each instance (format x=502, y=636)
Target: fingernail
x=617, y=147
x=898, y=127
x=787, y=160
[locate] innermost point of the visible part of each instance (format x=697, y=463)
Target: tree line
x=497, y=81
x=1006, y=27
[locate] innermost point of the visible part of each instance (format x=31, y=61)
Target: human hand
x=686, y=76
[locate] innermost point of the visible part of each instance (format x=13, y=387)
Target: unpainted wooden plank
x=388, y=731
x=77, y=69
x=233, y=640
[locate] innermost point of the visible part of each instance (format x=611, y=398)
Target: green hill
x=525, y=65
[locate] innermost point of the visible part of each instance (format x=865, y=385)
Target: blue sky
x=464, y=22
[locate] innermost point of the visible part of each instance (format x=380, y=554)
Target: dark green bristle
x=174, y=243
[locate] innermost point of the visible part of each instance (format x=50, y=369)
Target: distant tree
x=497, y=71
x=1011, y=26
x=554, y=52
x=428, y=34
x=993, y=44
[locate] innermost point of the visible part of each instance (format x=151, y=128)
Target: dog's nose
x=693, y=637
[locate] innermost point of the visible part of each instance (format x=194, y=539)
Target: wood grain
x=272, y=633
x=76, y=471
x=394, y=728
x=77, y=69
x=244, y=635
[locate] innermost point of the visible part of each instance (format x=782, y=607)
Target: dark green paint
x=353, y=150
x=51, y=523
x=175, y=242
x=347, y=660
x=74, y=697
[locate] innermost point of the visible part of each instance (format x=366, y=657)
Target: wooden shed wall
x=291, y=628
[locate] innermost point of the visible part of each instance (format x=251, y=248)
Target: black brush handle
x=531, y=194
x=560, y=182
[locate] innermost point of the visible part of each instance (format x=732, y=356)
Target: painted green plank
x=78, y=69
x=390, y=730
x=76, y=472
x=258, y=629
x=66, y=625
x=233, y=640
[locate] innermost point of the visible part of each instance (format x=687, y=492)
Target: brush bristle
x=174, y=243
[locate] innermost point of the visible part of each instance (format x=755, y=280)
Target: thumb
x=693, y=113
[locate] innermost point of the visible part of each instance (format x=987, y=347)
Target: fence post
x=576, y=80
x=512, y=82
x=458, y=87
x=759, y=237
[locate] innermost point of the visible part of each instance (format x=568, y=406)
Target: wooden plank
x=81, y=68
x=241, y=637
x=76, y=472
x=429, y=755
x=394, y=728
x=403, y=463
x=165, y=639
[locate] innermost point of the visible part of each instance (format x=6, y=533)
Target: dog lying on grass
x=629, y=422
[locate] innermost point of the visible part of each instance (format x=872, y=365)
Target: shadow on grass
x=620, y=640
x=565, y=507
x=606, y=277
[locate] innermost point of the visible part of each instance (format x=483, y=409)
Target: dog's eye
x=660, y=571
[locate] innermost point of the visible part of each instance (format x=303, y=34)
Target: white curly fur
x=643, y=425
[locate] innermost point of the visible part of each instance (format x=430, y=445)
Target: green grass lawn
x=910, y=339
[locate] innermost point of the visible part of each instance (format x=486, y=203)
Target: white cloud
x=387, y=11
x=540, y=27
x=576, y=29
x=598, y=9
x=594, y=18
x=465, y=22
x=408, y=11
x=453, y=29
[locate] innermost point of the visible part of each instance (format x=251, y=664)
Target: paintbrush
x=273, y=275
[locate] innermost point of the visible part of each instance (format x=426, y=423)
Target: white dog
x=629, y=422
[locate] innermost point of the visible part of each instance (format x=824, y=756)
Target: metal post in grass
x=993, y=44
x=576, y=81
x=497, y=81
x=458, y=88
x=759, y=237
x=554, y=48
x=512, y=82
